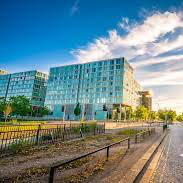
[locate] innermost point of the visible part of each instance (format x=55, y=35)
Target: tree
x=153, y=115
x=162, y=114
x=180, y=117
x=77, y=110
x=169, y=115
x=172, y=115
x=2, y=105
x=40, y=111
x=7, y=110
x=21, y=105
x=142, y=113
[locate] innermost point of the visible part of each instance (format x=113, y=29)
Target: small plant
x=128, y=132
x=46, y=137
x=76, y=130
x=18, y=147
x=109, y=137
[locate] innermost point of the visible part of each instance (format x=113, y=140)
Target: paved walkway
x=170, y=166
x=118, y=170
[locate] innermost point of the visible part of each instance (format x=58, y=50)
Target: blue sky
x=38, y=34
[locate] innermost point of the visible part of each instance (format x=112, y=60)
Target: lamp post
x=64, y=113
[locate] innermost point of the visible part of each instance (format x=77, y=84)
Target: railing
x=48, y=135
x=52, y=168
x=144, y=133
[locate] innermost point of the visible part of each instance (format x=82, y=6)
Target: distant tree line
x=142, y=113
x=20, y=106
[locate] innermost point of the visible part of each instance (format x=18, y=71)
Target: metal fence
x=128, y=139
x=61, y=132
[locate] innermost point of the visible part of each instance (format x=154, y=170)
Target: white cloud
x=157, y=60
x=145, y=45
x=136, y=42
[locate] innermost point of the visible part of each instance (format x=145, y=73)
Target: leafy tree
x=153, y=115
x=77, y=110
x=7, y=110
x=2, y=105
x=180, y=117
x=172, y=115
x=169, y=115
x=40, y=111
x=162, y=114
x=142, y=113
x=21, y=105
x=129, y=113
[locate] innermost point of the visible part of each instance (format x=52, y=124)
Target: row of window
x=97, y=100
x=93, y=95
x=87, y=65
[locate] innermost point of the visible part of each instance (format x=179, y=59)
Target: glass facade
x=31, y=84
x=4, y=82
x=92, y=84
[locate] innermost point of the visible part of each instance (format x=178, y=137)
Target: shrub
x=18, y=147
x=46, y=137
x=109, y=137
x=128, y=132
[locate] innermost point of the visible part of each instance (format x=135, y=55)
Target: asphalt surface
x=170, y=166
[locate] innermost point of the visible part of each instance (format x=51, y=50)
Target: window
x=104, y=78
x=118, y=61
x=118, y=66
x=98, y=78
x=117, y=88
x=99, y=63
x=110, y=77
x=100, y=68
x=99, y=74
x=112, y=62
x=94, y=70
x=104, y=89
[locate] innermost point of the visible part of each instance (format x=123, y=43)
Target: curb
x=134, y=173
x=152, y=166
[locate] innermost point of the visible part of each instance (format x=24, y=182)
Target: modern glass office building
x=32, y=84
x=99, y=87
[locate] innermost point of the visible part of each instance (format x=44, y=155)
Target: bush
x=109, y=137
x=46, y=137
x=18, y=147
x=128, y=132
